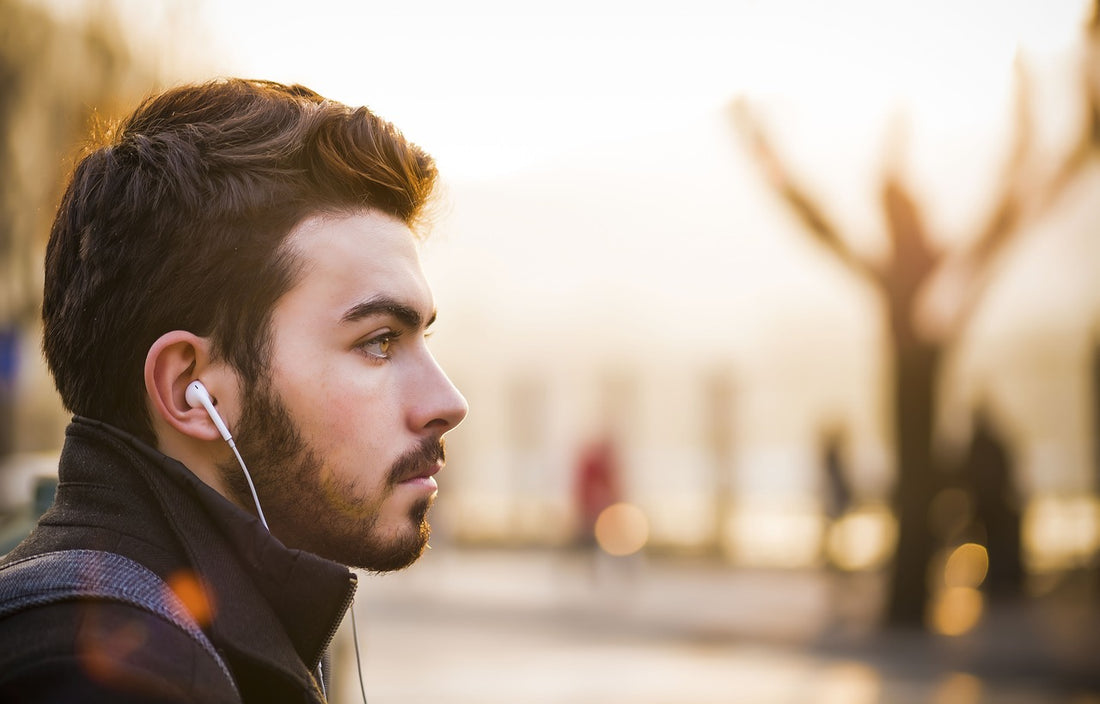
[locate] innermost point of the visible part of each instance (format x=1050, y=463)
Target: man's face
x=345, y=432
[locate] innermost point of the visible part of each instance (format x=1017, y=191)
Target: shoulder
x=103, y=651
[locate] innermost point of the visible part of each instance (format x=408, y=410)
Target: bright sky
x=497, y=90
x=490, y=85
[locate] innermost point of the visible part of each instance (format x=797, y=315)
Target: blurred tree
x=56, y=74
x=919, y=344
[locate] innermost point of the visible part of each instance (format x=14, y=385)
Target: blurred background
x=779, y=324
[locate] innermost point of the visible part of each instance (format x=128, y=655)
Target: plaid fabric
x=91, y=574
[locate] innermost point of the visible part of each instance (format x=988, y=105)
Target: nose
x=439, y=406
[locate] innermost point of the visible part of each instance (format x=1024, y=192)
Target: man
x=258, y=239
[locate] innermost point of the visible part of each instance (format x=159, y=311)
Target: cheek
x=344, y=418
x=346, y=411
x=313, y=401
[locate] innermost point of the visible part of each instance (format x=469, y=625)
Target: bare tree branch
x=1089, y=137
x=1019, y=198
x=964, y=276
x=1001, y=225
x=914, y=258
x=779, y=176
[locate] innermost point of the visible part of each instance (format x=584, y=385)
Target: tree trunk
x=916, y=368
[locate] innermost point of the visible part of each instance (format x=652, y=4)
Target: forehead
x=346, y=259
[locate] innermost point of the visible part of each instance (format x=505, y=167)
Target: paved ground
x=542, y=627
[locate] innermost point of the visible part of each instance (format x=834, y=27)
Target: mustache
x=419, y=460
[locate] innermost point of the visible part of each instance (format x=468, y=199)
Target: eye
x=379, y=346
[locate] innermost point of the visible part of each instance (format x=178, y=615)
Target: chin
x=401, y=550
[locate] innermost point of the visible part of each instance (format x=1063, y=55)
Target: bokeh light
x=1061, y=532
x=850, y=683
x=772, y=534
x=622, y=529
x=956, y=610
x=863, y=539
x=187, y=587
x=966, y=566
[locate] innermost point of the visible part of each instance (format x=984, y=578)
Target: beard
x=309, y=509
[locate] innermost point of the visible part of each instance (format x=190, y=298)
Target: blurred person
x=595, y=486
x=838, y=491
x=236, y=315
x=989, y=471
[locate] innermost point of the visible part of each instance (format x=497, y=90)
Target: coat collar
x=273, y=605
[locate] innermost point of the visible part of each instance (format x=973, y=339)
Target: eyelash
x=387, y=339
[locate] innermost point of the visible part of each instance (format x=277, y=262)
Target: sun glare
x=492, y=87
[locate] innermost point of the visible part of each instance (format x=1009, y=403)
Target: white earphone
x=197, y=395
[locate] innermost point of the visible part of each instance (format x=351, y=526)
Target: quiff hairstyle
x=177, y=221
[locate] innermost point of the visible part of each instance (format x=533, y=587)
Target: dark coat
x=270, y=611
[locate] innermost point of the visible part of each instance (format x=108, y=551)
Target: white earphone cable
x=351, y=607
x=251, y=486
x=358, y=659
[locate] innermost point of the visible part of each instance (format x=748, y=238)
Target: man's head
x=239, y=232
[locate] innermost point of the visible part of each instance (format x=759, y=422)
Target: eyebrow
x=385, y=305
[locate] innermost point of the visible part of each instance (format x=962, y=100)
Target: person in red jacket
x=596, y=485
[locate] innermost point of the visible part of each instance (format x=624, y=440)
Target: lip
x=427, y=482
x=426, y=476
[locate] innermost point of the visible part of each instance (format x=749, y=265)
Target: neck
x=202, y=457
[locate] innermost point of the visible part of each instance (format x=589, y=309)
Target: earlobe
x=174, y=360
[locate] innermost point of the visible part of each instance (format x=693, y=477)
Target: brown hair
x=176, y=221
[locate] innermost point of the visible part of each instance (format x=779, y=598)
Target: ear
x=174, y=360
